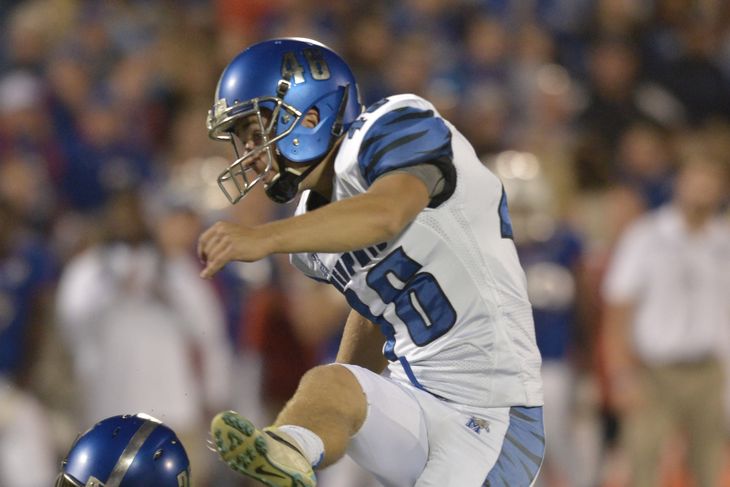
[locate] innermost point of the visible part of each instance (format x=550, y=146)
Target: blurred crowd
x=607, y=120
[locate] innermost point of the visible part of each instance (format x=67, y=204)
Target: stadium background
x=583, y=107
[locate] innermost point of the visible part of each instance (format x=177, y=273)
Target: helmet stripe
x=127, y=456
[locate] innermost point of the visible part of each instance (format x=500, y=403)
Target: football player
x=437, y=380
x=126, y=451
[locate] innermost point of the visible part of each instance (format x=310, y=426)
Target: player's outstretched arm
x=378, y=215
x=362, y=344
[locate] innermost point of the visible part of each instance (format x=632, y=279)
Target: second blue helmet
x=126, y=451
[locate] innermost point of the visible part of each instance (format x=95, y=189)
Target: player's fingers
x=202, y=243
x=218, y=254
x=211, y=268
x=207, y=241
x=208, y=238
x=202, y=255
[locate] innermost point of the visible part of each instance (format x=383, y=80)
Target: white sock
x=307, y=441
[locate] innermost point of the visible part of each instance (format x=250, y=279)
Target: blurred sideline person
x=145, y=333
x=27, y=277
x=666, y=315
x=126, y=451
x=27, y=454
x=438, y=374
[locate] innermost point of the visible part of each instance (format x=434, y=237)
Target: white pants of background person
x=27, y=456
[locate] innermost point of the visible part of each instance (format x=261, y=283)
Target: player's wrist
x=267, y=239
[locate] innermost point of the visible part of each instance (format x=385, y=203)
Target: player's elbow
x=393, y=220
x=398, y=199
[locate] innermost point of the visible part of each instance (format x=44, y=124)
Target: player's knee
x=338, y=386
x=333, y=377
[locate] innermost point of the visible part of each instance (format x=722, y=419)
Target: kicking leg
x=326, y=410
x=330, y=403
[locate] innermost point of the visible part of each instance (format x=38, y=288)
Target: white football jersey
x=448, y=292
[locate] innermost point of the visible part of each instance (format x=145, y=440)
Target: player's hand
x=225, y=242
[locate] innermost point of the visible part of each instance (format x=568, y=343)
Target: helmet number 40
x=292, y=70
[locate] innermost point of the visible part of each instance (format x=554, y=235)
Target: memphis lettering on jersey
x=345, y=267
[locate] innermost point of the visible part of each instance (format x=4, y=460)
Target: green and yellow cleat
x=260, y=454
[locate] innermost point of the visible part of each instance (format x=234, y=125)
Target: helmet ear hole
x=311, y=118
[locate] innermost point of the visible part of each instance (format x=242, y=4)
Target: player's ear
x=311, y=118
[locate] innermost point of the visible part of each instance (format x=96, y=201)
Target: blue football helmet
x=276, y=83
x=126, y=451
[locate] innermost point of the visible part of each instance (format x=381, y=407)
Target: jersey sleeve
x=430, y=175
x=406, y=137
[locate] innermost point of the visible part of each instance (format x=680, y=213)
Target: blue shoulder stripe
x=403, y=137
x=377, y=156
x=410, y=114
x=370, y=141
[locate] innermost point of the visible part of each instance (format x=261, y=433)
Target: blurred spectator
x=102, y=160
x=619, y=19
x=644, y=162
x=694, y=77
x=485, y=119
x=613, y=68
x=26, y=128
x=486, y=47
x=618, y=97
x=366, y=58
x=24, y=188
x=31, y=29
x=26, y=282
x=604, y=220
x=534, y=51
x=666, y=315
x=146, y=334
x=27, y=456
x=410, y=67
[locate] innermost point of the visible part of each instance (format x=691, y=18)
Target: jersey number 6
x=418, y=298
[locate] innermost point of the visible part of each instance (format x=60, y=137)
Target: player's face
x=250, y=136
x=256, y=160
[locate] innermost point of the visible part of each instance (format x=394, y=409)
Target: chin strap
x=285, y=185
